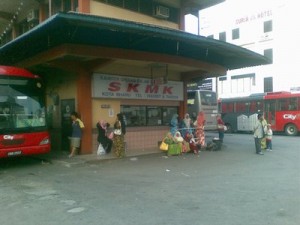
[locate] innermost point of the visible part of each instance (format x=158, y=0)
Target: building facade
x=102, y=57
x=266, y=27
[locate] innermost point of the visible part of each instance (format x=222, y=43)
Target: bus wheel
x=291, y=130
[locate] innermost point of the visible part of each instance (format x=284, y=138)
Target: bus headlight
x=45, y=141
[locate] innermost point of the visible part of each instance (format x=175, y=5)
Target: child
x=269, y=134
x=194, y=146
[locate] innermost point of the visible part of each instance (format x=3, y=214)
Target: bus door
x=270, y=112
x=193, y=104
x=67, y=107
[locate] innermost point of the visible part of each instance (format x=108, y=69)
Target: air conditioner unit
x=32, y=15
x=162, y=12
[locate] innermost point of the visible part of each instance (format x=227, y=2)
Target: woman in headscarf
x=200, y=129
x=118, y=139
x=221, y=127
x=186, y=125
x=102, y=135
x=174, y=124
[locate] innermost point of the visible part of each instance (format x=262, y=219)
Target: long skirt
x=201, y=137
x=119, y=145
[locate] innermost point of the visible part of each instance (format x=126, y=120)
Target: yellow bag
x=164, y=146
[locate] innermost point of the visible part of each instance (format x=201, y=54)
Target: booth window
x=148, y=115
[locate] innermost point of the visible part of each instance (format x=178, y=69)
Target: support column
x=183, y=104
x=84, y=6
x=84, y=104
x=182, y=18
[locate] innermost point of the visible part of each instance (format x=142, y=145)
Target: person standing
x=118, y=139
x=221, y=126
x=186, y=125
x=258, y=134
x=263, y=140
x=269, y=135
x=75, y=139
x=200, y=122
x=174, y=124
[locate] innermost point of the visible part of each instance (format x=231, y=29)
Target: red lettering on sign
x=167, y=90
x=114, y=86
x=132, y=87
x=151, y=89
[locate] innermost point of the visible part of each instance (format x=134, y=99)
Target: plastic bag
x=101, y=150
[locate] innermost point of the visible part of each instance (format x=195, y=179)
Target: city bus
x=280, y=109
x=206, y=101
x=23, y=129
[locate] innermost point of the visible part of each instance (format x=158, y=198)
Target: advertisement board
x=113, y=86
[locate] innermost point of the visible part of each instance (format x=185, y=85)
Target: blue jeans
x=269, y=144
x=221, y=135
x=257, y=144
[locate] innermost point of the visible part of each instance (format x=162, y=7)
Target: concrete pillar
x=84, y=6
x=84, y=106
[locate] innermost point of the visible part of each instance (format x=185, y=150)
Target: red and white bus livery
x=23, y=129
x=281, y=110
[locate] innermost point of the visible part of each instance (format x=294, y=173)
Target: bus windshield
x=21, y=105
x=206, y=97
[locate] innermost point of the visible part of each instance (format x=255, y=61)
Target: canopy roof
x=89, y=30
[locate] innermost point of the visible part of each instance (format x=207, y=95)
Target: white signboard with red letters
x=112, y=86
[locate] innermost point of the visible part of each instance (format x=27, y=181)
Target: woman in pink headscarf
x=102, y=135
x=200, y=122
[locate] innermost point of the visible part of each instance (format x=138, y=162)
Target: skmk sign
x=111, y=86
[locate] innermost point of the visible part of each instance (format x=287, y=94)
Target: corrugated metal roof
x=75, y=28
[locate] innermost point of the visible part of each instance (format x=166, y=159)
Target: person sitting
x=183, y=144
x=174, y=147
x=193, y=144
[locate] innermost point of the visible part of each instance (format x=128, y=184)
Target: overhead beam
x=6, y=15
x=100, y=53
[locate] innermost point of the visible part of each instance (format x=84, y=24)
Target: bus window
x=191, y=98
x=253, y=107
x=208, y=98
x=227, y=107
x=283, y=105
x=260, y=106
x=241, y=107
x=298, y=100
x=292, y=104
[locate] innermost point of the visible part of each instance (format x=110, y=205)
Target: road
x=233, y=186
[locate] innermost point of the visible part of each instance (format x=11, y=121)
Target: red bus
x=23, y=129
x=281, y=110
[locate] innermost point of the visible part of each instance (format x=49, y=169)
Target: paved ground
x=229, y=187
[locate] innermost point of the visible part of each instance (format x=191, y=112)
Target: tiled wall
x=140, y=138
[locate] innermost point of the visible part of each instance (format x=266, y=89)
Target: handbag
x=117, y=131
x=220, y=126
x=225, y=128
x=164, y=146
